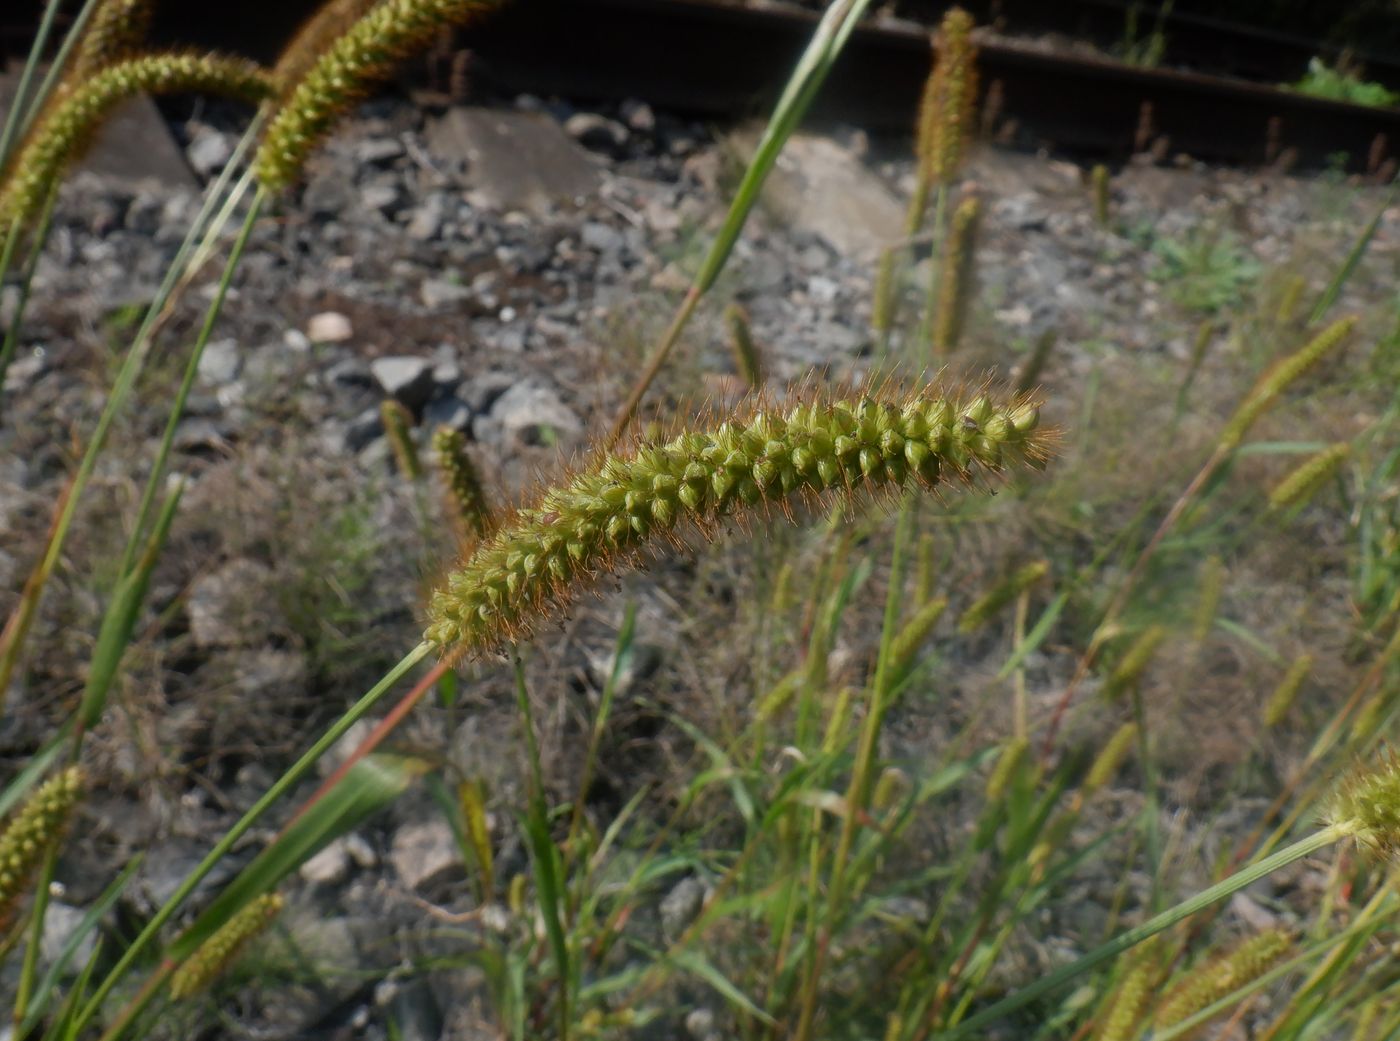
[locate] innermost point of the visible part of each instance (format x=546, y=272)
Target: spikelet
x=115, y=32
x=1302, y=484
x=910, y=638
x=736, y=320
x=955, y=276
x=1008, y=589
x=1028, y=374
x=1134, y=662
x=398, y=430
x=1367, y=805
x=31, y=833
x=1289, y=299
x=1122, y=1018
x=950, y=94
x=365, y=54
x=1286, y=693
x=1279, y=378
x=1223, y=975
x=462, y=484
x=612, y=511
x=218, y=952
x=1098, y=182
x=1208, y=602
x=1013, y=753
x=882, y=307
x=60, y=137
x=1110, y=759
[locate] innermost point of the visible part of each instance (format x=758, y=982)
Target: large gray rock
x=529, y=413
x=227, y=607
x=405, y=378
x=425, y=855
x=513, y=160
x=820, y=187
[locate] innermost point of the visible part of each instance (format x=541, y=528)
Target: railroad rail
x=728, y=60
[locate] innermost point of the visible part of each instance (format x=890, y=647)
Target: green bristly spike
x=34, y=830
x=608, y=515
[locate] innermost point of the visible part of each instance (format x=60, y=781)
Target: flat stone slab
x=513, y=160
x=133, y=144
x=820, y=187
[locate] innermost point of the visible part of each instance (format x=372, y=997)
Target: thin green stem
x=19, y=103
x=1148, y=929
x=177, y=410
x=858, y=791
x=11, y=344
x=279, y=788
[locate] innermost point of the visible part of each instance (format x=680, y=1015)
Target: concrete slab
x=513, y=160
x=821, y=187
x=134, y=144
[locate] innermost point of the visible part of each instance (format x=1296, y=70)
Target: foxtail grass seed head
x=216, y=954
x=342, y=75
x=1280, y=377
x=910, y=638
x=1303, y=483
x=1098, y=181
x=115, y=32
x=893, y=783
x=1133, y=664
x=68, y=127
x=1367, y=805
x=736, y=320
x=956, y=275
x=946, y=112
x=462, y=482
x=1121, y=1020
x=31, y=833
x=398, y=429
x=613, y=511
x=1110, y=759
x=1028, y=373
x=1013, y=754
x=883, y=305
x=1221, y=976
x=1208, y=601
x=330, y=20
x=1286, y=693
x=1289, y=299
x=985, y=608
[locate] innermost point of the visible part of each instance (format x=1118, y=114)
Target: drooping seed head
x=1110, y=759
x=1098, y=178
x=611, y=512
x=1286, y=693
x=1013, y=754
x=1008, y=589
x=1223, y=975
x=1303, y=482
x=31, y=833
x=946, y=111
x=915, y=631
x=746, y=360
x=1134, y=662
x=1280, y=377
x=955, y=276
x=213, y=957
x=68, y=126
x=1367, y=806
x=461, y=482
x=398, y=431
x=114, y=33
x=1121, y=1019
x=1208, y=602
x=343, y=73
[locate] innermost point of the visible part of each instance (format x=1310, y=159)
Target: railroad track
x=725, y=61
